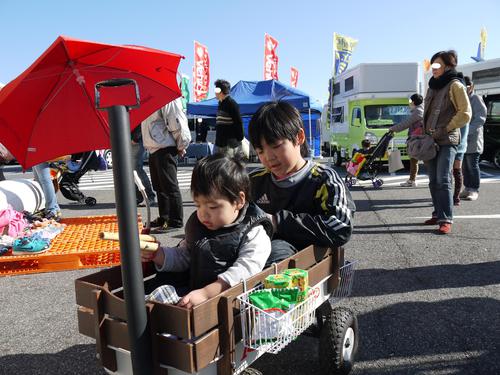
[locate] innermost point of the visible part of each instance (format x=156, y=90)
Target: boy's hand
x=198, y=296
x=158, y=256
x=193, y=298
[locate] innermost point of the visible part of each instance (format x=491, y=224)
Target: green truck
x=368, y=99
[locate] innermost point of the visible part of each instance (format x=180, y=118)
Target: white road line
x=493, y=216
x=103, y=180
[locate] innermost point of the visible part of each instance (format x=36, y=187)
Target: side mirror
x=356, y=121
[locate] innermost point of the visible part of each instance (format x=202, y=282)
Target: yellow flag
x=342, y=48
x=484, y=39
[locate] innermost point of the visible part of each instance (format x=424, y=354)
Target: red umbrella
x=49, y=110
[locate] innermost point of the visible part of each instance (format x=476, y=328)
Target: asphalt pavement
x=425, y=303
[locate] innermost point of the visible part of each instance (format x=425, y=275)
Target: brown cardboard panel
x=111, y=276
x=311, y=255
x=171, y=319
x=175, y=353
x=206, y=349
x=110, y=304
x=116, y=333
x=86, y=322
x=321, y=270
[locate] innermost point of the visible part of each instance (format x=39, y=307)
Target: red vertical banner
x=294, y=76
x=270, y=58
x=201, y=72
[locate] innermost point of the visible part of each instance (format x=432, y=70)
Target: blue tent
x=251, y=95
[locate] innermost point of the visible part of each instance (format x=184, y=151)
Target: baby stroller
x=364, y=167
x=66, y=176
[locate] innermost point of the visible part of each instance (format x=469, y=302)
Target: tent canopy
x=251, y=95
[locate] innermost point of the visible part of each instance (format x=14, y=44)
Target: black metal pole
x=126, y=209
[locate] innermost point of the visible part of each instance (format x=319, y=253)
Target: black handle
x=116, y=82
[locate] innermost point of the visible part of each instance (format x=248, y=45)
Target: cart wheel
x=377, y=183
x=338, y=342
x=251, y=371
x=90, y=201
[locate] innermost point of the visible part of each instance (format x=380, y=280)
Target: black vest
x=212, y=252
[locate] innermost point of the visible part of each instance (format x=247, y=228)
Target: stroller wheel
x=378, y=183
x=90, y=201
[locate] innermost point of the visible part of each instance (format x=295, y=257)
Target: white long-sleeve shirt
x=167, y=127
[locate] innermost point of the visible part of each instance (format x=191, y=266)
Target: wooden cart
x=208, y=338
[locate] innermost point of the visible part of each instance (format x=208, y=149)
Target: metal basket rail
x=345, y=284
x=272, y=330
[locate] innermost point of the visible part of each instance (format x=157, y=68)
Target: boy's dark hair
x=417, y=99
x=468, y=81
x=276, y=121
x=366, y=143
x=449, y=57
x=224, y=86
x=221, y=175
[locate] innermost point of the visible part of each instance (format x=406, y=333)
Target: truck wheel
x=338, y=342
x=336, y=157
x=496, y=159
x=251, y=371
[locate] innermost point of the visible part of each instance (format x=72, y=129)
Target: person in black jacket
x=307, y=202
x=228, y=124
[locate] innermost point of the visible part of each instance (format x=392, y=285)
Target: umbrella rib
x=51, y=97
x=47, y=101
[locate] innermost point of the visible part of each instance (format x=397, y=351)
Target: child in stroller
x=66, y=176
x=363, y=164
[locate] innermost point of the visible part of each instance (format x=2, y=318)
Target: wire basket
x=273, y=329
x=345, y=284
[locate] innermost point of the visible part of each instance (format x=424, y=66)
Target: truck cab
x=368, y=100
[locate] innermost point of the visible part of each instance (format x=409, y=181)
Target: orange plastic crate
x=77, y=247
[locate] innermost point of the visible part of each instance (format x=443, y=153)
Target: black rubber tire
x=251, y=371
x=331, y=342
x=496, y=159
x=90, y=201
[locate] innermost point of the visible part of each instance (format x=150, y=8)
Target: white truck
x=368, y=99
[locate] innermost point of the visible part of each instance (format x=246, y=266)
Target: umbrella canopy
x=49, y=110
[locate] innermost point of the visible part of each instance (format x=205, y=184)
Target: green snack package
x=277, y=281
x=300, y=279
x=283, y=299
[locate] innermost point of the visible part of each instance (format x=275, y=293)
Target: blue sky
x=233, y=31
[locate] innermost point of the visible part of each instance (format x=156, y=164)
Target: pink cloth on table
x=13, y=220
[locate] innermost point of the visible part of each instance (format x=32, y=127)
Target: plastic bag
x=395, y=163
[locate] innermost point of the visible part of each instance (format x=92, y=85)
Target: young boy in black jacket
x=307, y=202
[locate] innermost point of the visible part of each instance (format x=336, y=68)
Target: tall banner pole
x=332, y=79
